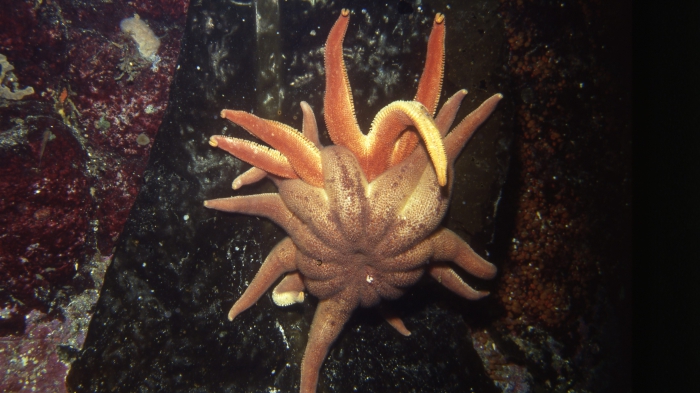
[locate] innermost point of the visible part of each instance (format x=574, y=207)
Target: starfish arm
x=266, y=205
x=310, y=128
x=448, y=112
x=409, y=139
x=388, y=195
x=289, y=291
x=447, y=246
x=404, y=147
x=304, y=157
x=339, y=111
x=429, y=86
x=446, y=276
x=419, y=215
x=255, y=154
x=385, y=128
x=395, y=322
x=252, y=175
x=272, y=207
x=455, y=140
x=329, y=319
x=346, y=193
x=280, y=261
x=430, y=83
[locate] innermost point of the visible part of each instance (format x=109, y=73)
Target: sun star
x=363, y=214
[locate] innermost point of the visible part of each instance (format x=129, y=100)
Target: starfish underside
x=363, y=214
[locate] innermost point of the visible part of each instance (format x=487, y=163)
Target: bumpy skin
x=373, y=229
x=362, y=215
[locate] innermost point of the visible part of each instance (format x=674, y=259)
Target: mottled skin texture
x=362, y=215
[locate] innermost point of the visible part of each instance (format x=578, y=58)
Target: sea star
x=363, y=214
